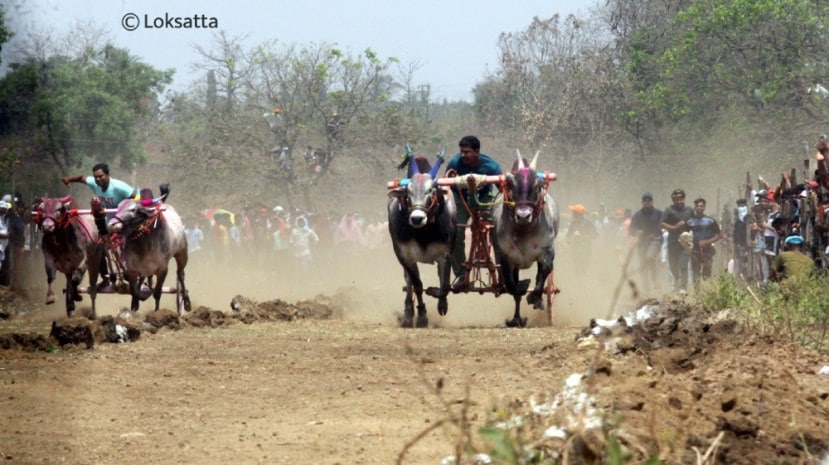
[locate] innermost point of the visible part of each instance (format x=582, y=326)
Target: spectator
x=674, y=220
x=301, y=237
x=646, y=230
x=580, y=235
x=791, y=265
x=5, y=260
x=706, y=231
x=195, y=236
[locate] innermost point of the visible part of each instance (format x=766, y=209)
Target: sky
x=454, y=41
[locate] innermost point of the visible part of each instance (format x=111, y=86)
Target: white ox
x=422, y=229
x=153, y=233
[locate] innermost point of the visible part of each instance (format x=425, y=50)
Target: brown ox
x=70, y=245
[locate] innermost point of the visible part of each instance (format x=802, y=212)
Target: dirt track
x=357, y=389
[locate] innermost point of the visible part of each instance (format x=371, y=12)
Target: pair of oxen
x=152, y=233
x=422, y=224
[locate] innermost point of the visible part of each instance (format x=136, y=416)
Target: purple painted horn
x=434, y=172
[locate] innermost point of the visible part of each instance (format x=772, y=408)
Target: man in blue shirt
x=470, y=160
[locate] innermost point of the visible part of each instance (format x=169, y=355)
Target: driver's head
x=101, y=174
x=470, y=148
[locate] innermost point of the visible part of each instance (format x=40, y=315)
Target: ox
x=70, y=245
x=153, y=233
x=422, y=228
x=526, y=224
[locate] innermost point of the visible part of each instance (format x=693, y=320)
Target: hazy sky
x=454, y=40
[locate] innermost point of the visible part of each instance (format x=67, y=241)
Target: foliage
x=797, y=312
x=5, y=33
x=63, y=110
x=724, y=62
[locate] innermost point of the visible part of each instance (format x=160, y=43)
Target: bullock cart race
x=620, y=257
x=270, y=368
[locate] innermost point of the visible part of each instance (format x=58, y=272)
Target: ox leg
x=135, y=288
x=77, y=277
x=50, y=278
x=414, y=285
x=93, y=262
x=444, y=266
x=181, y=262
x=408, y=307
x=68, y=296
x=510, y=275
x=545, y=267
x=160, y=277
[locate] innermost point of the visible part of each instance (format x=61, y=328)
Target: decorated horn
x=532, y=163
x=434, y=172
x=520, y=160
x=411, y=156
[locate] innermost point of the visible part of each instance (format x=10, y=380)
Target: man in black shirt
x=645, y=227
x=706, y=232
x=674, y=220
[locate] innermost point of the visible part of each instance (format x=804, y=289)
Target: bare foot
x=819, y=156
x=50, y=299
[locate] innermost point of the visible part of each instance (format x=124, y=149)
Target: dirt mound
x=80, y=331
x=680, y=381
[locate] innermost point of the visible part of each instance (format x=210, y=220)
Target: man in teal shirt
x=109, y=190
x=470, y=160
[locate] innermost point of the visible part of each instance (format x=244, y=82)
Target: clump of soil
x=80, y=331
x=686, y=381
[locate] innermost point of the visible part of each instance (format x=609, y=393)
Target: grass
x=797, y=311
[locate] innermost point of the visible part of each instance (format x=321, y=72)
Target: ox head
x=53, y=211
x=131, y=214
x=421, y=194
x=526, y=190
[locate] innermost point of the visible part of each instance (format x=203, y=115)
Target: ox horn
x=535, y=158
x=434, y=172
x=520, y=160
x=412, y=162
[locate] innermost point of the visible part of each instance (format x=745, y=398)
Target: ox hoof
x=516, y=323
x=406, y=322
x=443, y=307
x=422, y=322
x=534, y=299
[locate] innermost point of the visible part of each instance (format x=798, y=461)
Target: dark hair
x=470, y=141
x=699, y=200
x=101, y=166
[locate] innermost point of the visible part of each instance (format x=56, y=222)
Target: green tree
x=735, y=64
x=5, y=34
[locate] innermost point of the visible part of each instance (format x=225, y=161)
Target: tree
x=60, y=108
x=730, y=64
x=5, y=34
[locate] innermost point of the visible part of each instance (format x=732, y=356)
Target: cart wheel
x=551, y=290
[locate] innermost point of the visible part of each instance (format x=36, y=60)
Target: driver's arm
x=73, y=178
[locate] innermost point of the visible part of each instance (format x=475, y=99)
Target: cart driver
x=470, y=160
x=108, y=193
